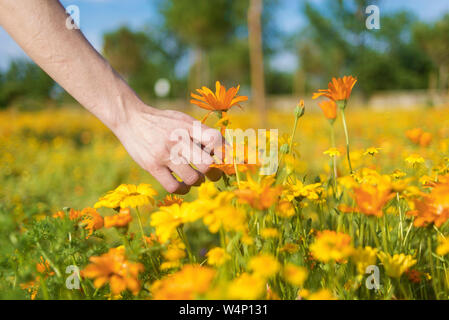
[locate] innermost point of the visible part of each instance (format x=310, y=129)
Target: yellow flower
x=285, y=209
x=217, y=257
x=128, y=196
x=166, y=220
x=332, y=152
x=228, y=217
x=186, y=284
x=322, y=294
x=174, y=254
x=295, y=275
x=443, y=246
x=414, y=159
x=296, y=189
x=290, y=248
x=398, y=174
x=264, y=265
x=397, y=264
x=269, y=233
x=371, y=151
x=364, y=257
x=331, y=246
x=246, y=287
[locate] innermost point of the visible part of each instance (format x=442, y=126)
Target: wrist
x=118, y=109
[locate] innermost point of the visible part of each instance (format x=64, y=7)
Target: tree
x=256, y=56
x=202, y=25
x=337, y=42
x=434, y=40
x=143, y=57
x=26, y=83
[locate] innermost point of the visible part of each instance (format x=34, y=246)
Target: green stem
x=141, y=228
x=334, y=159
x=293, y=135
x=183, y=237
x=347, y=138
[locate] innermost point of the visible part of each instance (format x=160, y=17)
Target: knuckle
x=192, y=178
x=171, y=187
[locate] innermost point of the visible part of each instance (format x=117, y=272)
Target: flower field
x=371, y=223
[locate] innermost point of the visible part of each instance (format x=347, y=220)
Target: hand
x=147, y=136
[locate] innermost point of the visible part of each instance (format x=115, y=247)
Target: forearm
x=68, y=58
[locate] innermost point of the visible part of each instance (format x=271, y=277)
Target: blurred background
x=277, y=50
x=53, y=153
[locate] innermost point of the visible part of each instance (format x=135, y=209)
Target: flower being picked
x=220, y=100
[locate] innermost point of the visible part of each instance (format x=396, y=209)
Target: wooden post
x=256, y=58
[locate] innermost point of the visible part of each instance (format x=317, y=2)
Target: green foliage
x=337, y=42
x=24, y=82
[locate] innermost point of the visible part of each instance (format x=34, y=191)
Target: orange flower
x=169, y=200
x=118, y=220
x=338, y=89
x=221, y=100
x=371, y=199
x=329, y=108
x=261, y=195
x=44, y=268
x=88, y=217
x=432, y=208
x=91, y=220
x=418, y=136
x=113, y=267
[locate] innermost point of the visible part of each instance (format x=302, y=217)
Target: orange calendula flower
x=113, y=268
x=221, y=100
x=88, y=217
x=91, y=219
x=169, y=200
x=261, y=195
x=44, y=269
x=371, y=199
x=433, y=207
x=329, y=108
x=419, y=137
x=338, y=89
x=121, y=219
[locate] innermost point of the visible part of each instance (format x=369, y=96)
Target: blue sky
x=98, y=16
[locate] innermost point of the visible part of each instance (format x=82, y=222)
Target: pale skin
x=39, y=27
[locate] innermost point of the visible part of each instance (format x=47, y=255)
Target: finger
x=200, y=159
x=209, y=138
x=214, y=174
x=166, y=179
x=190, y=176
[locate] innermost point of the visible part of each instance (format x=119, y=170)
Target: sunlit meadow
x=368, y=224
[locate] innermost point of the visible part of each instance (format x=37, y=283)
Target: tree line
x=198, y=42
